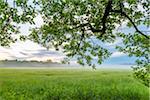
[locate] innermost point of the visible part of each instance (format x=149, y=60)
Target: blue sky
x=31, y=51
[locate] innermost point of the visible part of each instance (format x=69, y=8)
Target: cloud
x=117, y=54
x=38, y=21
x=5, y=53
x=25, y=28
x=29, y=51
x=117, y=42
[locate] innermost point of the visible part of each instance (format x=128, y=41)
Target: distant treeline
x=16, y=60
x=32, y=63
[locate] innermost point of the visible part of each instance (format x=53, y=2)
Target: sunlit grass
x=70, y=84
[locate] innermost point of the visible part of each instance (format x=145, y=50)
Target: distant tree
x=48, y=60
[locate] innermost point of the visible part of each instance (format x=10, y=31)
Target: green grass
x=69, y=84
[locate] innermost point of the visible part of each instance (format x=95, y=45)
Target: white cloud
x=117, y=42
x=117, y=54
x=24, y=28
x=5, y=55
x=29, y=51
x=27, y=45
x=39, y=21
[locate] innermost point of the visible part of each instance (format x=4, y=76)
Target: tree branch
x=88, y=25
x=108, y=9
x=104, y=19
x=124, y=14
x=106, y=14
x=81, y=38
x=93, y=29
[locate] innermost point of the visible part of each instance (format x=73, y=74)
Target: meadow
x=70, y=84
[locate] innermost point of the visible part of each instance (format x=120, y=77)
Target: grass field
x=69, y=84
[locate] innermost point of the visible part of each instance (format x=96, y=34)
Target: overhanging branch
x=105, y=16
x=107, y=12
x=124, y=14
x=103, y=20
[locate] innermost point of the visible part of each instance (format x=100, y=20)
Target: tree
x=12, y=13
x=74, y=25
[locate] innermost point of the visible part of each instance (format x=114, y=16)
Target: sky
x=29, y=50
